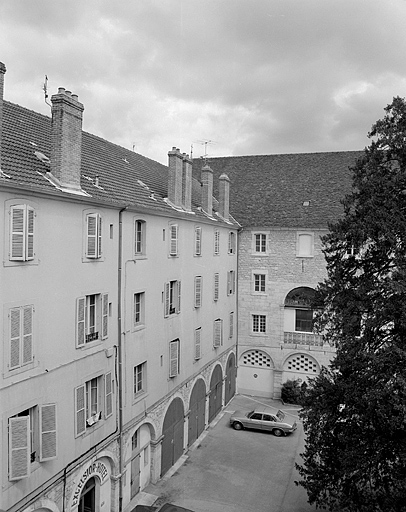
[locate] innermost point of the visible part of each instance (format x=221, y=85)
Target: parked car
x=264, y=418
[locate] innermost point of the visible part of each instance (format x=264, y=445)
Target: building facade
x=119, y=312
x=284, y=204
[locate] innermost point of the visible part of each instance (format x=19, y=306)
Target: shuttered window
x=19, y=447
x=173, y=240
x=174, y=358
x=172, y=294
x=231, y=331
x=217, y=242
x=218, y=333
x=80, y=410
x=198, y=291
x=108, y=388
x=198, y=348
x=105, y=315
x=216, y=286
x=47, y=427
x=231, y=243
x=21, y=336
x=92, y=318
x=93, y=235
x=22, y=223
x=230, y=282
x=198, y=241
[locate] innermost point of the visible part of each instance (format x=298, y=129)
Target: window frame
x=309, y=321
x=216, y=286
x=174, y=358
x=85, y=418
x=262, y=282
x=84, y=325
x=232, y=243
x=198, y=292
x=24, y=238
x=261, y=320
x=24, y=339
x=231, y=278
x=216, y=248
x=140, y=238
x=299, y=247
x=198, y=344
x=172, y=298
x=231, y=325
x=218, y=333
x=141, y=322
x=173, y=240
x=263, y=243
x=93, y=236
x=198, y=241
x=139, y=377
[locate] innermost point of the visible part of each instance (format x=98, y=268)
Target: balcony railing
x=93, y=336
x=303, y=338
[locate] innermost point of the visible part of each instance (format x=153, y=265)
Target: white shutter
x=216, y=286
x=198, y=241
x=173, y=250
x=30, y=233
x=228, y=283
x=217, y=242
x=231, y=334
x=17, y=233
x=178, y=304
x=80, y=410
x=91, y=235
x=198, y=291
x=105, y=315
x=80, y=321
x=108, y=395
x=218, y=333
x=47, y=427
x=198, y=352
x=99, y=235
x=27, y=352
x=15, y=329
x=167, y=299
x=19, y=447
x=173, y=358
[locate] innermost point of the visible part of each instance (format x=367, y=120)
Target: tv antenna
x=45, y=89
x=205, y=143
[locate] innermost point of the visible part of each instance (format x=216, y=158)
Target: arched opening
x=298, y=317
x=173, y=432
x=87, y=501
x=216, y=393
x=231, y=374
x=197, y=411
x=256, y=373
x=300, y=367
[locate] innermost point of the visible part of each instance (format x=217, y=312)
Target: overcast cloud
x=253, y=76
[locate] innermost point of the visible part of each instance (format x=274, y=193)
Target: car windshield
x=280, y=415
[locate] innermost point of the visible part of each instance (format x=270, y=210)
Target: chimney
x=207, y=190
x=187, y=183
x=2, y=73
x=224, y=196
x=66, y=138
x=175, y=177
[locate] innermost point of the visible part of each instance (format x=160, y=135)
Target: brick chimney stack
x=66, y=138
x=207, y=189
x=224, y=196
x=175, y=177
x=2, y=73
x=187, y=183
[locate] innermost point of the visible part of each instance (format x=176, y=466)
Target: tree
x=354, y=412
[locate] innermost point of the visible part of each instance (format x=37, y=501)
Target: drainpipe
x=120, y=355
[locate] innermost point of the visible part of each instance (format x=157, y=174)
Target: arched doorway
x=298, y=317
x=173, y=432
x=197, y=411
x=87, y=501
x=256, y=374
x=300, y=366
x=231, y=373
x=216, y=393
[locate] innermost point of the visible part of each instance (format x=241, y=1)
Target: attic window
x=306, y=203
x=143, y=184
x=41, y=157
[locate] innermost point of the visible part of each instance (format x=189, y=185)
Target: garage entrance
x=231, y=374
x=197, y=411
x=216, y=393
x=255, y=374
x=172, y=444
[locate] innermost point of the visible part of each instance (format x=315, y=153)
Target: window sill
x=304, y=256
x=138, y=327
x=258, y=334
x=21, y=369
x=141, y=395
x=140, y=256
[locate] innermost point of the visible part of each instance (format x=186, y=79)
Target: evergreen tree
x=355, y=411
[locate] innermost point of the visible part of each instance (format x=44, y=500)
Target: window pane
x=304, y=320
x=305, y=245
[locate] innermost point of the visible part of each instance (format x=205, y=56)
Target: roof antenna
x=45, y=89
x=205, y=142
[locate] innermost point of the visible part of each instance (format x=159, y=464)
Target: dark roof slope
x=269, y=190
x=125, y=177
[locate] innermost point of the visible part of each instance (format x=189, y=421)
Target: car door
x=269, y=422
x=255, y=421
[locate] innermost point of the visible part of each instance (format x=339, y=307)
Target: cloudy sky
x=250, y=76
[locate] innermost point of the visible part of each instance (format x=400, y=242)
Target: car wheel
x=277, y=432
x=237, y=425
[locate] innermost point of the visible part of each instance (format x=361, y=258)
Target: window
x=198, y=339
x=259, y=283
x=172, y=297
x=260, y=242
x=139, y=309
x=21, y=336
x=139, y=378
x=198, y=241
x=218, y=333
x=216, y=242
x=22, y=219
x=90, y=399
x=230, y=282
x=304, y=320
x=352, y=250
x=231, y=243
x=173, y=240
x=92, y=313
x=231, y=331
x=32, y=438
x=198, y=291
x=174, y=356
x=259, y=324
x=305, y=245
x=93, y=236
x=139, y=237
x=216, y=286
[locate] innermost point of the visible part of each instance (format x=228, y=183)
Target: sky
x=215, y=77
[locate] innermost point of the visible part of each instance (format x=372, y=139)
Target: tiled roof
x=271, y=190
x=125, y=177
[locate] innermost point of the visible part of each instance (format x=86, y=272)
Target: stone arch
x=197, y=411
x=173, y=434
x=43, y=505
x=231, y=377
x=256, y=373
x=216, y=392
